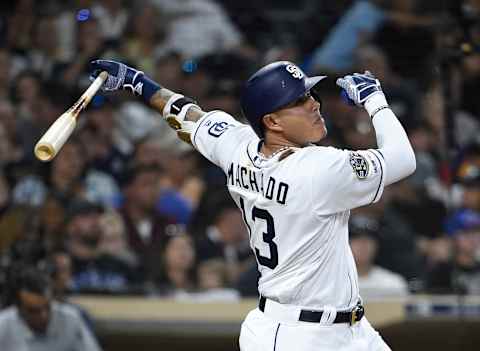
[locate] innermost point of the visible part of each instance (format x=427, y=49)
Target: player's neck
x=273, y=145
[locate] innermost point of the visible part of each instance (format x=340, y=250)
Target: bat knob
x=44, y=152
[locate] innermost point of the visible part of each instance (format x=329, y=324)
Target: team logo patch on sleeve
x=359, y=165
x=218, y=128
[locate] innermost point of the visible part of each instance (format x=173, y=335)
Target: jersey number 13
x=261, y=214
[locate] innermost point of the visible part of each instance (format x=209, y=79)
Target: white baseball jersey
x=296, y=210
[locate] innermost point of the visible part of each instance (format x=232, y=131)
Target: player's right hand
x=359, y=87
x=120, y=76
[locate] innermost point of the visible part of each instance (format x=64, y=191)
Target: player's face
x=301, y=121
x=35, y=310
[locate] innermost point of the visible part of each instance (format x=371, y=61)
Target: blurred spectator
x=461, y=274
x=95, y=270
x=136, y=122
x=168, y=70
x=436, y=250
x=471, y=73
x=145, y=227
x=19, y=239
x=180, y=186
x=223, y=86
x=198, y=82
x=409, y=25
x=27, y=90
x=69, y=178
x=7, y=72
x=44, y=54
x=359, y=25
x=212, y=277
x=247, y=281
x=10, y=150
x=67, y=18
x=113, y=241
x=212, y=284
x=112, y=17
x=100, y=139
x=59, y=266
x=397, y=242
x=47, y=106
x=144, y=33
x=402, y=95
x=4, y=195
x=37, y=322
x=20, y=26
x=51, y=222
x=225, y=236
x=178, y=263
x=374, y=281
x=181, y=195
x=336, y=52
x=198, y=27
x=90, y=44
x=467, y=177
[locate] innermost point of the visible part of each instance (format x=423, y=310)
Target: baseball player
x=295, y=197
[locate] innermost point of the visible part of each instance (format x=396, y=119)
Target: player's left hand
x=359, y=87
x=120, y=76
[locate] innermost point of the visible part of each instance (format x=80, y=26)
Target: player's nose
x=315, y=105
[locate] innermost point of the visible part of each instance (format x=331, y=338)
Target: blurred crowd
x=126, y=208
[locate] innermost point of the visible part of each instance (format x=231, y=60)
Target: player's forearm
x=159, y=100
x=393, y=143
x=180, y=112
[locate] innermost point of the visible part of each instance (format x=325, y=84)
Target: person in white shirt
x=37, y=323
x=374, y=282
x=295, y=197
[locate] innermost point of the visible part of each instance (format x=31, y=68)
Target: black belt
x=315, y=316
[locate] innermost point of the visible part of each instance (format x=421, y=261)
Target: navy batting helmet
x=271, y=88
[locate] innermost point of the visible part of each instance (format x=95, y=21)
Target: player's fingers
x=95, y=65
x=342, y=83
x=105, y=65
x=94, y=74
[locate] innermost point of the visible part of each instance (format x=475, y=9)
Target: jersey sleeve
x=217, y=135
x=345, y=179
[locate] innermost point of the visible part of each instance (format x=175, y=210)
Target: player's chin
x=319, y=134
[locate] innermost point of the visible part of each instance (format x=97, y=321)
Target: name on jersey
x=248, y=179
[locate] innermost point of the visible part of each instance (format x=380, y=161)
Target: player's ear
x=270, y=122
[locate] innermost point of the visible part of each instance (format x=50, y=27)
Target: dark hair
x=133, y=171
x=213, y=204
x=33, y=280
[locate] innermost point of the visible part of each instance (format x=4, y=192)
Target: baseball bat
x=52, y=141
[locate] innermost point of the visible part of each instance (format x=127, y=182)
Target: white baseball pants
x=274, y=330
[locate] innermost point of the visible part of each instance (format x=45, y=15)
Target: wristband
x=142, y=85
x=375, y=103
x=166, y=109
x=149, y=88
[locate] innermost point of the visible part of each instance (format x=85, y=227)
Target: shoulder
x=322, y=152
x=217, y=123
x=321, y=158
x=66, y=312
x=8, y=315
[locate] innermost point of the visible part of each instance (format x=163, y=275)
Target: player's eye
x=300, y=101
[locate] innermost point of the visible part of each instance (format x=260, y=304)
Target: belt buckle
x=357, y=314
